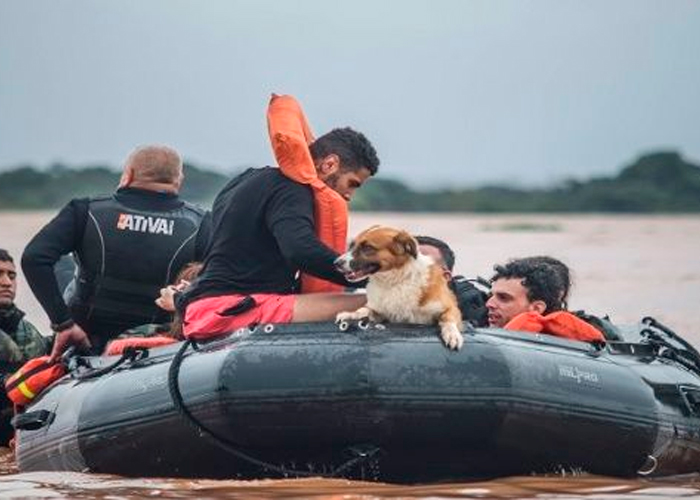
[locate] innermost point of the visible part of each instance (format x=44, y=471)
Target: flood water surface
x=624, y=266
x=100, y=486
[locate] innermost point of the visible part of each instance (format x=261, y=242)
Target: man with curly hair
x=530, y=284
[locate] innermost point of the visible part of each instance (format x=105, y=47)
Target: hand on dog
x=451, y=336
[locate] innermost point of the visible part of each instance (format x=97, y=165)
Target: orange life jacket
x=290, y=136
x=559, y=323
x=119, y=345
x=32, y=378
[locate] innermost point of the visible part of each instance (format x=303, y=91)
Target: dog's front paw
x=361, y=313
x=451, y=336
x=343, y=316
x=348, y=316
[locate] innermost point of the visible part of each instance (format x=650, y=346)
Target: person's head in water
x=558, y=266
x=153, y=167
x=8, y=279
x=524, y=285
x=344, y=160
x=440, y=252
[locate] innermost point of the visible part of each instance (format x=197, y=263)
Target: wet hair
x=543, y=278
x=353, y=148
x=559, y=267
x=5, y=256
x=448, y=256
x=189, y=272
x=155, y=163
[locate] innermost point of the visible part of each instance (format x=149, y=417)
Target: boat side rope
x=232, y=447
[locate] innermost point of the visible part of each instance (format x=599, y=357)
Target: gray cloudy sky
x=462, y=92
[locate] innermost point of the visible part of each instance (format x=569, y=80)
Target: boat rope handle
x=131, y=353
x=232, y=447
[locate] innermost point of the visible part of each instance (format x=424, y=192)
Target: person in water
x=20, y=341
x=527, y=284
x=128, y=245
x=470, y=298
x=264, y=235
x=530, y=294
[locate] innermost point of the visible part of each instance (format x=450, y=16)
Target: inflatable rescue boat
x=388, y=403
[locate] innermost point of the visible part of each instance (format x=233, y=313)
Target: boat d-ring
x=651, y=464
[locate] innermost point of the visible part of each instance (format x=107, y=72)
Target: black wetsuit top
x=67, y=233
x=262, y=236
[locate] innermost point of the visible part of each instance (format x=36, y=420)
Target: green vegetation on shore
x=657, y=182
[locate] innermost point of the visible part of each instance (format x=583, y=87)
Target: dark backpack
x=472, y=295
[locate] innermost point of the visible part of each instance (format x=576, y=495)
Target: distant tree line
x=657, y=182
x=29, y=188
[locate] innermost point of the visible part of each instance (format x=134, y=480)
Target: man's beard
x=332, y=181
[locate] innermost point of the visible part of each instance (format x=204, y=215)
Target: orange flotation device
x=32, y=378
x=290, y=136
x=118, y=346
x=559, y=323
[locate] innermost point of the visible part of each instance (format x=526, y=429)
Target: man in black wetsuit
x=263, y=236
x=471, y=294
x=128, y=245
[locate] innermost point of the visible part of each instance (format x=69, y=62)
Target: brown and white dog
x=404, y=285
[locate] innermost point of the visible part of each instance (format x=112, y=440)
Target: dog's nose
x=341, y=262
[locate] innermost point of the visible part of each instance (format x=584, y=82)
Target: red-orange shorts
x=206, y=318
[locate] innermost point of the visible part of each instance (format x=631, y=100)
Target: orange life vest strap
x=290, y=136
x=559, y=323
x=32, y=378
x=118, y=346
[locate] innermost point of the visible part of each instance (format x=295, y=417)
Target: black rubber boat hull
x=312, y=398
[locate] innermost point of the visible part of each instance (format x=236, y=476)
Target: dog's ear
x=405, y=243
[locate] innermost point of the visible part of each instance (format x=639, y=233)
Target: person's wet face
x=8, y=283
x=508, y=299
